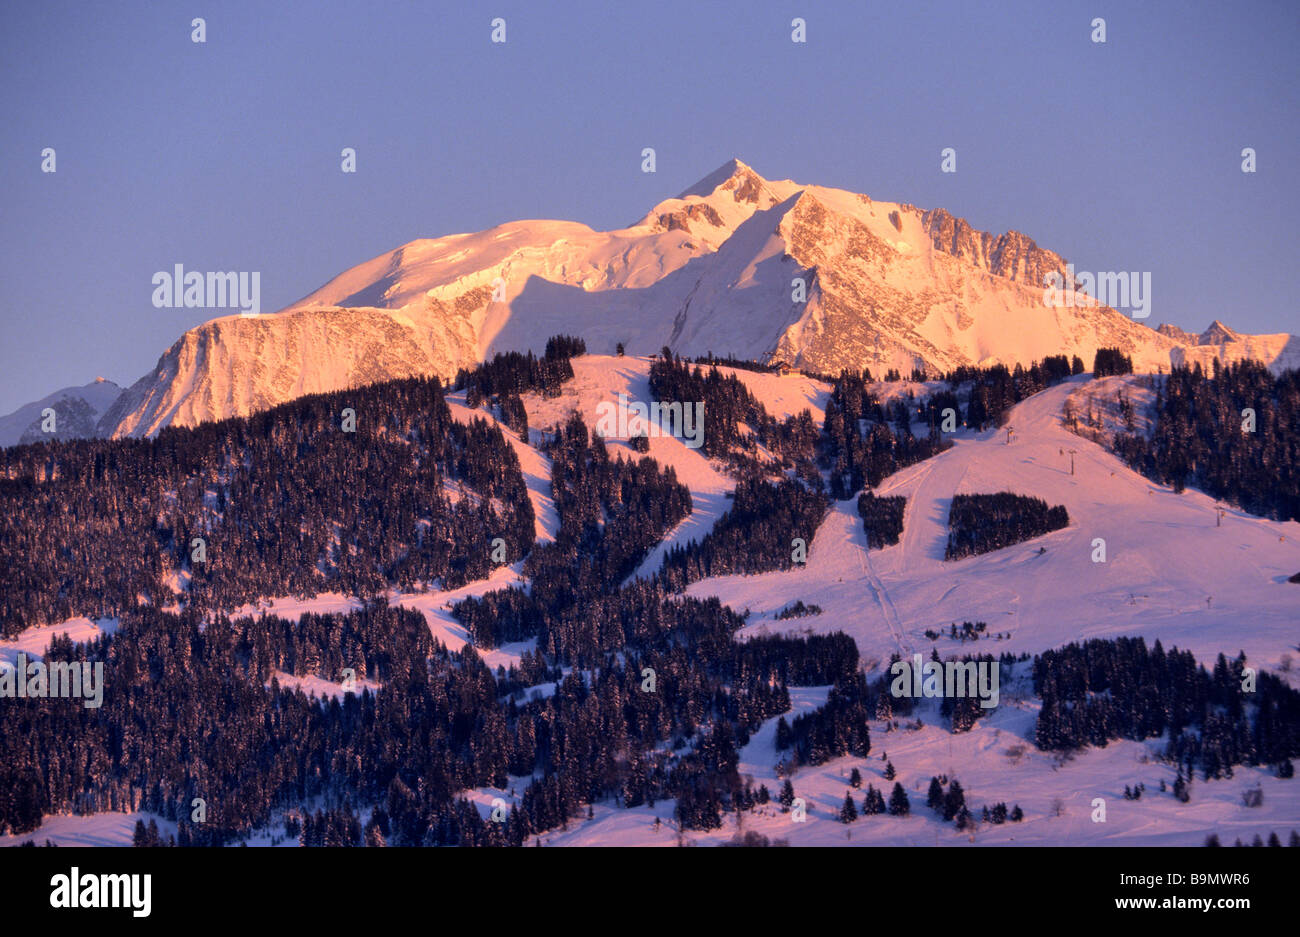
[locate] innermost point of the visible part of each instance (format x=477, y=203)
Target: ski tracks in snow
x=887, y=609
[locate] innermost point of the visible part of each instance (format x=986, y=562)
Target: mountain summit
x=737, y=264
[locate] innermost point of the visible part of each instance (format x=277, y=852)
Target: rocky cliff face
x=888, y=298
x=235, y=366
x=1178, y=335
x=1011, y=255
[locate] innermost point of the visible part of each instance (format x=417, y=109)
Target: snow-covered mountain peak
x=712, y=209
x=732, y=176
x=1217, y=334
x=820, y=277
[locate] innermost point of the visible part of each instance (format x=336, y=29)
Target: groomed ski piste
x=1170, y=574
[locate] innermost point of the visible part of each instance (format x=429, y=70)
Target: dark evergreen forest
x=1102, y=690
x=1234, y=433
x=737, y=424
x=984, y=522
x=286, y=502
x=882, y=518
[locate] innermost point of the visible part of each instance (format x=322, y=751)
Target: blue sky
x=225, y=155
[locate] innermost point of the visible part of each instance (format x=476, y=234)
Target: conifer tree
x=873, y=803
x=787, y=795
x=898, y=803
x=954, y=801
x=934, y=799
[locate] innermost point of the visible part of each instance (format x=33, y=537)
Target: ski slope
x=1170, y=573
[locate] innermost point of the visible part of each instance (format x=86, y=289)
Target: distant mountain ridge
x=820, y=278
x=77, y=413
x=1218, y=342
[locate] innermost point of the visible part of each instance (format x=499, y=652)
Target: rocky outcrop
x=1011, y=255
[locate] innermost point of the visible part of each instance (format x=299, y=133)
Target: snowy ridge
x=78, y=411
x=1220, y=343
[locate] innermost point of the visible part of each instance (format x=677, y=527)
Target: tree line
x=1234, y=433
